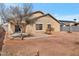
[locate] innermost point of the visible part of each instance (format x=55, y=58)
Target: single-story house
x=44, y=21
x=66, y=23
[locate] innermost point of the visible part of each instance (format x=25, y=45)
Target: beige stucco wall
x=11, y=28
x=32, y=28
x=69, y=24
x=47, y=20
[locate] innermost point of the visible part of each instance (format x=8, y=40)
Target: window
x=49, y=26
x=38, y=26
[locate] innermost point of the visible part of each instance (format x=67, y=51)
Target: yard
x=57, y=44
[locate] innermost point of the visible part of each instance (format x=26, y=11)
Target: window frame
x=49, y=26
x=39, y=26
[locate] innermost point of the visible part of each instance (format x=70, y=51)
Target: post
x=37, y=53
x=21, y=34
x=69, y=29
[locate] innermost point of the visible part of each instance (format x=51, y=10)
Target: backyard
x=57, y=44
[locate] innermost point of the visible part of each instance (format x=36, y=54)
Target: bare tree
x=3, y=12
x=21, y=13
x=75, y=20
x=27, y=8
x=17, y=14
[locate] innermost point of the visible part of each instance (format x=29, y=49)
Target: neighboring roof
x=50, y=16
x=66, y=21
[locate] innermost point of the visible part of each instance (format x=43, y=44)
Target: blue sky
x=61, y=11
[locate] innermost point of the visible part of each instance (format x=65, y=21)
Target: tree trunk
x=22, y=30
x=21, y=34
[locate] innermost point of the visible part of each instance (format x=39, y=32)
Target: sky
x=61, y=11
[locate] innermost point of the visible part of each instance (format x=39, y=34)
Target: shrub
x=49, y=30
x=69, y=31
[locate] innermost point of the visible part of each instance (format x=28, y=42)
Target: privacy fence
x=70, y=28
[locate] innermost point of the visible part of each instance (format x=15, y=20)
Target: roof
x=67, y=21
x=45, y=15
x=50, y=16
x=37, y=12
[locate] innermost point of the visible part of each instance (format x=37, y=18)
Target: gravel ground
x=57, y=44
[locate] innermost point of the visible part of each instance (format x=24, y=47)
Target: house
x=76, y=24
x=66, y=22
x=43, y=22
x=69, y=26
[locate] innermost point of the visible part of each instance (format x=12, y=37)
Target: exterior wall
x=69, y=24
x=32, y=28
x=11, y=28
x=45, y=21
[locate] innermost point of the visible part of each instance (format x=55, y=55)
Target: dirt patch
x=57, y=44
